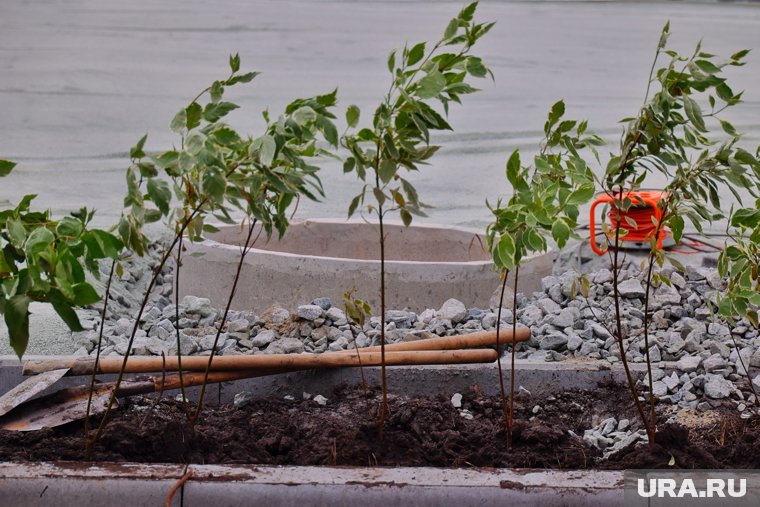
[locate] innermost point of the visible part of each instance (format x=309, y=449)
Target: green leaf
x=6, y=166
x=387, y=170
x=416, y=53
x=506, y=251
x=67, y=313
x=242, y=78
x=694, y=113
x=213, y=184
x=392, y=60
x=431, y=85
x=468, y=11
x=84, y=294
x=17, y=232
x=581, y=195
x=354, y=204
x=728, y=127
x=235, y=62
x=746, y=217
x=216, y=92
x=352, y=116
x=451, y=29
x=267, y=149
x=193, y=114
x=406, y=217
x=304, y=115
x=513, y=168
x=137, y=150
x=69, y=227
x=214, y=111
x=39, y=240
x=560, y=232
x=17, y=320
x=474, y=66
x=160, y=194
x=179, y=122
x=676, y=225
x=379, y=196
x=707, y=66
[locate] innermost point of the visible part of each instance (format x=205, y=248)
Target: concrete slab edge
x=537, y=377
x=39, y=484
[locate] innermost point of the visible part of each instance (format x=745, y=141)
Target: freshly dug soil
x=418, y=432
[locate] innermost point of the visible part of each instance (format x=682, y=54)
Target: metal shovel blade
x=56, y=409
x=29, y=388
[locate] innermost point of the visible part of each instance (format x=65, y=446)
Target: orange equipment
x=645, y=212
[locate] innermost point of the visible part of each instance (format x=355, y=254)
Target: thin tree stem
x=504, y=407
x=148, y=290
x=245, y=249
x=176, y=326
x=514, y=347
x=619, y=328
x=87, y=442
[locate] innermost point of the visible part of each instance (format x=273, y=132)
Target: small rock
x=242, y=399
x=548, y=306
x=531, y=316
x=717, y=387
x=714, y=362
x=548, y=282
x=456, y=400
x=689, y=364
x=285, y=346
x=336, y=315
x=238, y=326
x=320, y=400
x=631, y=288
x=566, y=318
x=310, y=312
x=264, y=338
x=553, y=341
x=671, y=382
x=453, y=310
x=659, y=388
x=574, y=342
x=678, y=280
x=323, y=303
x=466, y=414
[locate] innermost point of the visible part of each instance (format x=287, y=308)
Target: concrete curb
x=537, y=377
x=23, y=484
x=109, y=484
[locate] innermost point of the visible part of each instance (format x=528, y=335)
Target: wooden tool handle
x=85, y=365
x=462, y=341
x=143, y=364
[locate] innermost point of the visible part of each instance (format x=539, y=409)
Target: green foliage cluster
x=671, y=135
x=546, y=194
x=399, y=137
x=217, y=171
x=45, y=260
x=740, y=264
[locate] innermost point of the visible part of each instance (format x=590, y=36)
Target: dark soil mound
x=418, y=432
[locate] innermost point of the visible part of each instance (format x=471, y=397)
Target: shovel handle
x=138, y=364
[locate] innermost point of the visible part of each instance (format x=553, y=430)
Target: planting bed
x=420, y=431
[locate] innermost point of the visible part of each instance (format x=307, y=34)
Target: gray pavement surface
x=81, y=81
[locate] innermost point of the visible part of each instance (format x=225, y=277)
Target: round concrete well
x=425, y=266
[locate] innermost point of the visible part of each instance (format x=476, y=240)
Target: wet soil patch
x=420, y=431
